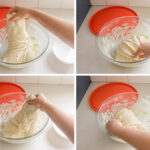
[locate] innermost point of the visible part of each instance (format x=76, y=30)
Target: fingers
x=14, y=18
x=113, y=123
x=143, y=56
x=36, y=95
x=13, y=9
x=138, y=53
x=32, y=102
x=35, y=103
x=143, y=51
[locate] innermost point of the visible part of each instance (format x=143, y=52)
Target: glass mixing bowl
x=139, y=104
x=38, y=34
x=116, y=31
x=10, y=104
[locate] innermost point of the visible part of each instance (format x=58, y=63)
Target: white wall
x=39, y=79
x=141, y=3
x=68, y=4
x=130, y=79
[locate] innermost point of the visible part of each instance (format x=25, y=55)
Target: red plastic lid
x=107, y=90
x=3, y=12
x=3, y=15
x=11, y=94
x=6, y=87
x=106, y=14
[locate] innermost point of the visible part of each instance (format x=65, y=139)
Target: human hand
x=40, y=101
x=113, y=126
x=21, y=12
x=143, y=51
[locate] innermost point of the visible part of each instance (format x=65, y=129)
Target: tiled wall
x=141, y=3
x=130, y=79
x=39, y=79
x=68, y=4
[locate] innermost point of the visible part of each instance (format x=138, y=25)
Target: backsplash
x=130, y=79
x=67, y=4
x=39, y=79
x=138, y=3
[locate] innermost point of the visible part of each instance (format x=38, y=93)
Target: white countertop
x=89, y=136
x=61, y=95
x=88, y=58
x=48, y=64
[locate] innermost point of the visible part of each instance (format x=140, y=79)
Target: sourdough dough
x=128, y=119
x=126, y=50
x=24, y=124
x=20, y=45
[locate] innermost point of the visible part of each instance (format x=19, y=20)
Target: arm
x=63, y=120
x=61, y=28
x=138, y=139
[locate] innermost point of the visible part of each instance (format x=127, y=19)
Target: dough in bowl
x=24, y=124
x=126, y=49
x=20, y=45
x=128, y=119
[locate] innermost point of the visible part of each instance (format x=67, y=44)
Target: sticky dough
x=128, y=119
x=126, y=50
x=20, y=45
x=24, y=124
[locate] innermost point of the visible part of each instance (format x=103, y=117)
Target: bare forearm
x=61, y=28
x=138, y=139
x=63, y=120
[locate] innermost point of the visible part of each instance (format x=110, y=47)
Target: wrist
x=46, y=106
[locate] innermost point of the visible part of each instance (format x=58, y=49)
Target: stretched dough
x=20, y=45
x=24, y=124
x=126, y=50
x=128, y=119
